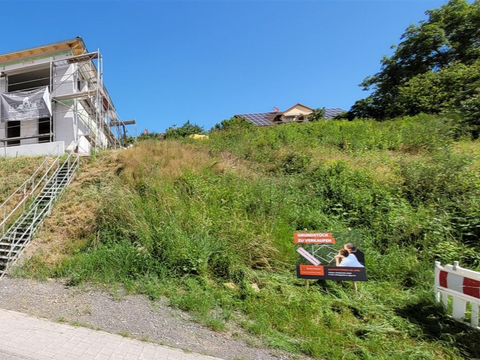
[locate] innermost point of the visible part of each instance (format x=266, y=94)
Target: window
x=29, y=80
x=44, y=128
x=13, y=131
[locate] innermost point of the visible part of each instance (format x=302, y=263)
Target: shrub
x=183, y=131
x=234, y=123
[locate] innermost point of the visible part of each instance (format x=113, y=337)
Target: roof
x=258, y=119
x=266, y=119
x=331, y=113
x=76, y=45
x=298, y=104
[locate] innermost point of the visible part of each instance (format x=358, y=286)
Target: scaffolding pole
x=88, y=100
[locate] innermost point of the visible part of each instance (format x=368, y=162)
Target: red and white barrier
x=463, y=286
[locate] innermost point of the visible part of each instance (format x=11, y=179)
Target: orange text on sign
x=313, y=238
x=311, y=270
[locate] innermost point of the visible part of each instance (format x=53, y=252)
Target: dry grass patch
x=166, y=159
x=229, y=162
x=73, y=220
x=471, y=148
x=14, y=171
x=72, y=224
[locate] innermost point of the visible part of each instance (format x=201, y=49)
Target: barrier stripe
x=471, y=287
x=443, y=279
x=455, y=282
x=459, y=283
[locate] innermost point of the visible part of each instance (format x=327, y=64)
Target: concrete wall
x=63, y=124
x=3, y=85
x=52, y=148
x=84, y=146
x=29, y=128
x=87, y=126
x=64, y=79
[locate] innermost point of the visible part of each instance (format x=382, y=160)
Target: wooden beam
x=75, y=45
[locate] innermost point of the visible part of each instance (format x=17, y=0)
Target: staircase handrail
x=34, y=184
x=37, y=215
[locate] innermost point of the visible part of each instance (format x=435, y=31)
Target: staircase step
x=7, y=257
x=18, y=242
x=17, y=232
x=7, y=251
x=7, y=244
x=20, y=233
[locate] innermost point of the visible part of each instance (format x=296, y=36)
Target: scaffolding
x=91, y=103
x=76, y=87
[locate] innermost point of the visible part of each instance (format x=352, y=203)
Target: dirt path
x=130, y=315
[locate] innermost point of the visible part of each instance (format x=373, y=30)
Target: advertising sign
x=321, y=258
x=25, y=105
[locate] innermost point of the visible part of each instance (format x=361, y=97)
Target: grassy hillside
x=14, y=171
x=210, y=225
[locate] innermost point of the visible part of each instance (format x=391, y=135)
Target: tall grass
x=14, y=171
x=210, y=225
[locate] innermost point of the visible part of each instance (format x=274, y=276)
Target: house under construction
x=53, y=100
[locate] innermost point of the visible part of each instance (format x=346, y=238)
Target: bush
x=183, y=131
x=234, y=123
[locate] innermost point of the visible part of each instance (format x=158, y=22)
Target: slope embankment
x=209, y=225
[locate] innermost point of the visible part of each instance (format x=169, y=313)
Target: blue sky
x=166, y=62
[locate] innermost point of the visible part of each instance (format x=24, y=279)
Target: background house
x=53, y=100
x=296, y=113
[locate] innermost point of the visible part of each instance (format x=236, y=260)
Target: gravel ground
x=129, y=315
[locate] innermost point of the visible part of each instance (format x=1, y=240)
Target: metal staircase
x=55, y=177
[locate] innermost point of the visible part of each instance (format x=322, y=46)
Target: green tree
x=234, y=123
x=183, y=131
x=317, y=114
x=449, y=36
x=150, y=136
x=434, y=92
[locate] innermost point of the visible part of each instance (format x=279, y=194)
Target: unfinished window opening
x=13, y=131
x=29, y=80
x=44, y=127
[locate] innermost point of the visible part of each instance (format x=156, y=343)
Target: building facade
x=53, y=100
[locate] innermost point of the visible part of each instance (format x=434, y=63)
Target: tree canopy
x=234, y=123
x=183, y=131
x=441, y=54
x=317, y=114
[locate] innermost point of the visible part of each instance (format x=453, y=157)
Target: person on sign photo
x=352, y=250
x=344, y=258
